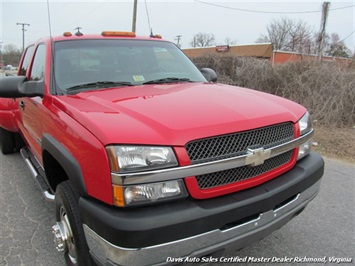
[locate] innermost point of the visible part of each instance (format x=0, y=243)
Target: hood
x=174, y=114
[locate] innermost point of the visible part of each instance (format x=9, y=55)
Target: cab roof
x=104, y=35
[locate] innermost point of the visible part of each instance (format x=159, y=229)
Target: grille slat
x=236, y=144
x=227, y=146
x=241, y=173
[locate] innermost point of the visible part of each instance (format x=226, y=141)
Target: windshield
x=96, y=64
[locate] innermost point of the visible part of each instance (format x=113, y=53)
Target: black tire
x=7, y=144
x=18, y=142
x=76, y=251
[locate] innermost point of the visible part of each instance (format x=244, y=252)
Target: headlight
x=126, y=159
x=148, y=193
x=305, y=125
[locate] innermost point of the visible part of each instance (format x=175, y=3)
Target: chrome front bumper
x=204, y=244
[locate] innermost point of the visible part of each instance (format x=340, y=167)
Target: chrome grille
x=241, y=173
x=236, y=144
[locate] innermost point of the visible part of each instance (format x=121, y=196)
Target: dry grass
x=335, y=142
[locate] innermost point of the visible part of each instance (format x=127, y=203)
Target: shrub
x=327, y=90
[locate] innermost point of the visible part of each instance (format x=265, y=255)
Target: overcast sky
x=170, y=18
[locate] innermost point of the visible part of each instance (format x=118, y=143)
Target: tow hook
x=59, y=236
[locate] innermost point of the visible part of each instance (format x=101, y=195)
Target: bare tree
x=277, y=32
x=299, y=36
x=287, y=34
x=336, y=47
x=11, y=48
x=229, y=41
x=11, y=54
x=203, y=40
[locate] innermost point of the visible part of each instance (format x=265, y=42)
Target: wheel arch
x=60, y=165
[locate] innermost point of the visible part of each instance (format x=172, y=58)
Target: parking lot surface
x=325, y=230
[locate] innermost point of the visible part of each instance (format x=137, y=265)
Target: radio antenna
x=146, y=10
x=49, y=19
x=53, y=89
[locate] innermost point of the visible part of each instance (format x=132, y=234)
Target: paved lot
x=325, y=229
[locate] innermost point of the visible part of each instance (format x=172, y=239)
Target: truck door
x=31, y=108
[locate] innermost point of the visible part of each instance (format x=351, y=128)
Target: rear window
x=26, y=60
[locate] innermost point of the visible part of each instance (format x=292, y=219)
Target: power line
x=269, y=12
x=86, y=14
x=347, y=36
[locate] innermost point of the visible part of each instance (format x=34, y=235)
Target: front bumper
x=159, y=234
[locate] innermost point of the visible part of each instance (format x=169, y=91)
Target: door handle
x=22, y=105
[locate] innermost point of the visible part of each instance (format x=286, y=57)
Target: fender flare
x=66, y=160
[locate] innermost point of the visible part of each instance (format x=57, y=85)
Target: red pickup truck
x=148, y=160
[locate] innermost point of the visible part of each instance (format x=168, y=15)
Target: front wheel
x=68, y=231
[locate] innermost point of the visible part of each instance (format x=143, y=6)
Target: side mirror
x=209, y=74
x=18, y=86
x=32, y=88
x=9, y=86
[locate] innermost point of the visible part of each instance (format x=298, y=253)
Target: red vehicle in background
x=147, y=158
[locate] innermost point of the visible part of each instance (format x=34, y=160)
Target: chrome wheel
x=69, y=246
x=68, y=230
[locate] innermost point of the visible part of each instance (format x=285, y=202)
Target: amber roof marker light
x=118, y=33
x=67, y=34
x=157, y=36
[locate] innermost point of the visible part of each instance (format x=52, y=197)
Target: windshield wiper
x=167, y=80
x=99, y=84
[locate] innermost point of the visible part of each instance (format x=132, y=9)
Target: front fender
x=66, y=160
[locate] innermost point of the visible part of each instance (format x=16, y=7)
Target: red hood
x=173, y=114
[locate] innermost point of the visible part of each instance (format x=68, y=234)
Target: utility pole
x=325, y=11
x=78, y=33
x=134, y=21
x=23, y=34
x=178, y=38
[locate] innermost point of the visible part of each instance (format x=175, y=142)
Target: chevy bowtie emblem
x=257, y=156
